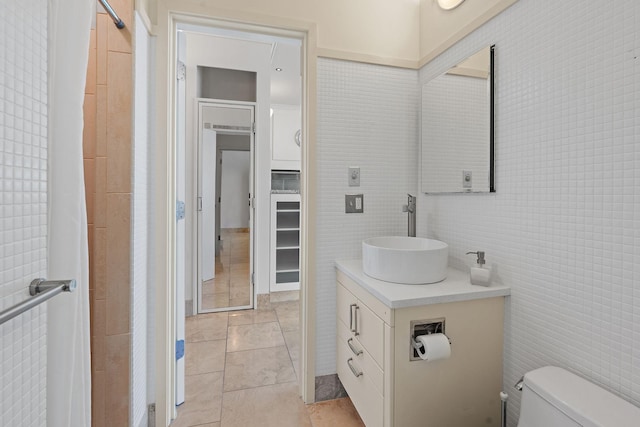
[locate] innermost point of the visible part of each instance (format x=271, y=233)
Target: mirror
x=457, y=128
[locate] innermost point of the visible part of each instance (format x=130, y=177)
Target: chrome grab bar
x=41, y=290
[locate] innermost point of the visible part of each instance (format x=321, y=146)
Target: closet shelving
x=285, y=242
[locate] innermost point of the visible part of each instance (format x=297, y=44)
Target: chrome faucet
x=410, y=207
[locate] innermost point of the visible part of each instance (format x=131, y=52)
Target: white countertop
x=456, y=287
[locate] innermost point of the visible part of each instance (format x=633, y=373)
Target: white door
x=207, y=200
x=216, y=120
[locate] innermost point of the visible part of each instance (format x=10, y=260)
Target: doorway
x=225, y=214
x=185, y=231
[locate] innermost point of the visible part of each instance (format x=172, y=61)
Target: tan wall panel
x=380, y=31
x=441, y=29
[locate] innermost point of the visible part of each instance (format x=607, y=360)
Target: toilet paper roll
x=434, y=347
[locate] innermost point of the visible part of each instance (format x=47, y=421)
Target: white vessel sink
x=407, y=260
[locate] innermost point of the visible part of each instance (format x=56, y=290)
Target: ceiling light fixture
x=278, y=69
x=449, y=4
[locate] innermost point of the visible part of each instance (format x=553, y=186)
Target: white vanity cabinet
x=374, y=349
x=360, y=349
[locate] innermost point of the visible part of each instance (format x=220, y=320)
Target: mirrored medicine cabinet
x=457, y=128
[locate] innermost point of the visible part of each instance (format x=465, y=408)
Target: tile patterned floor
x=230, y=286
x=242, y=370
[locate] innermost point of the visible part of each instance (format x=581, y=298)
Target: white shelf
x=285, y=242
x=292, y=270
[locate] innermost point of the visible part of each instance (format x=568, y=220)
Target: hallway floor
x=230, y=287
x=242, y=370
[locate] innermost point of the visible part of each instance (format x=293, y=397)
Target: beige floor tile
x=255, y=368
x=214, y=288
x=204, y=356
x=285, y=308
x=251, y=337
x=247, y=317
x=223, y=266
x=284, y=296
x=339, y=412
x=239, y=302
x=240, y=266
x=203, y=400
x=236, y=283
x=215, y=301
x=270, y=406
x=239, y=279
x=239, y=291
x=288, y=314
x=292, y=339
x=206, y=327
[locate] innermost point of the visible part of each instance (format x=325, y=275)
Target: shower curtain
x=68, y=332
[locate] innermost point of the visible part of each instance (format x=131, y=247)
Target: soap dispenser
x=479, y=274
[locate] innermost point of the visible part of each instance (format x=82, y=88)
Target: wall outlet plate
x=354, y=203
x=354, y=176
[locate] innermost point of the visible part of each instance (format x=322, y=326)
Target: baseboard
x=329, y=387
x=151, y=416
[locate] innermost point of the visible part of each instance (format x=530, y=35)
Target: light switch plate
x=354, y=176
x=467, y=181
x=354, y=203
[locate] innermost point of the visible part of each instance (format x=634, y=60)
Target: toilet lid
x=581, y=400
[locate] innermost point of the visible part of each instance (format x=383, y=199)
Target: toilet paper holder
x=424, y=327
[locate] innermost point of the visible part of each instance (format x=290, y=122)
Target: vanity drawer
x=345, y=300
x=366, y=398
x=361, y=356
x=362, y=323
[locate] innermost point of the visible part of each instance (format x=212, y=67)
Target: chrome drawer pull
x=351, y=322
x=356, y=373
x=353, y=349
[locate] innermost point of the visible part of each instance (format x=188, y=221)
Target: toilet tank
x=554, y=397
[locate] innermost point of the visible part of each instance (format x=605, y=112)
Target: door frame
x=165, y=227
x=197, y=249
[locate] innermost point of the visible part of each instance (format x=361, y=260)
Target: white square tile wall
x=367, y=116
x=23, y=207
x=563, y=225
x=141, y=226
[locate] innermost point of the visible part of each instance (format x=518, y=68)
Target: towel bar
x=41, y=290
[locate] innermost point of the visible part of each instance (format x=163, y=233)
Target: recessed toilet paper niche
x=424, y=327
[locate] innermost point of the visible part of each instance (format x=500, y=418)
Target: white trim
x=166, y=192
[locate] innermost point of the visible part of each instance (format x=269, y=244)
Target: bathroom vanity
x=386, y=381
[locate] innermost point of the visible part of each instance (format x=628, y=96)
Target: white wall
x=562, y=227
x=234, y=209
x=23, y=217
x=367, y=117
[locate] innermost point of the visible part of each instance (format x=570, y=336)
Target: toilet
x=553, y=397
